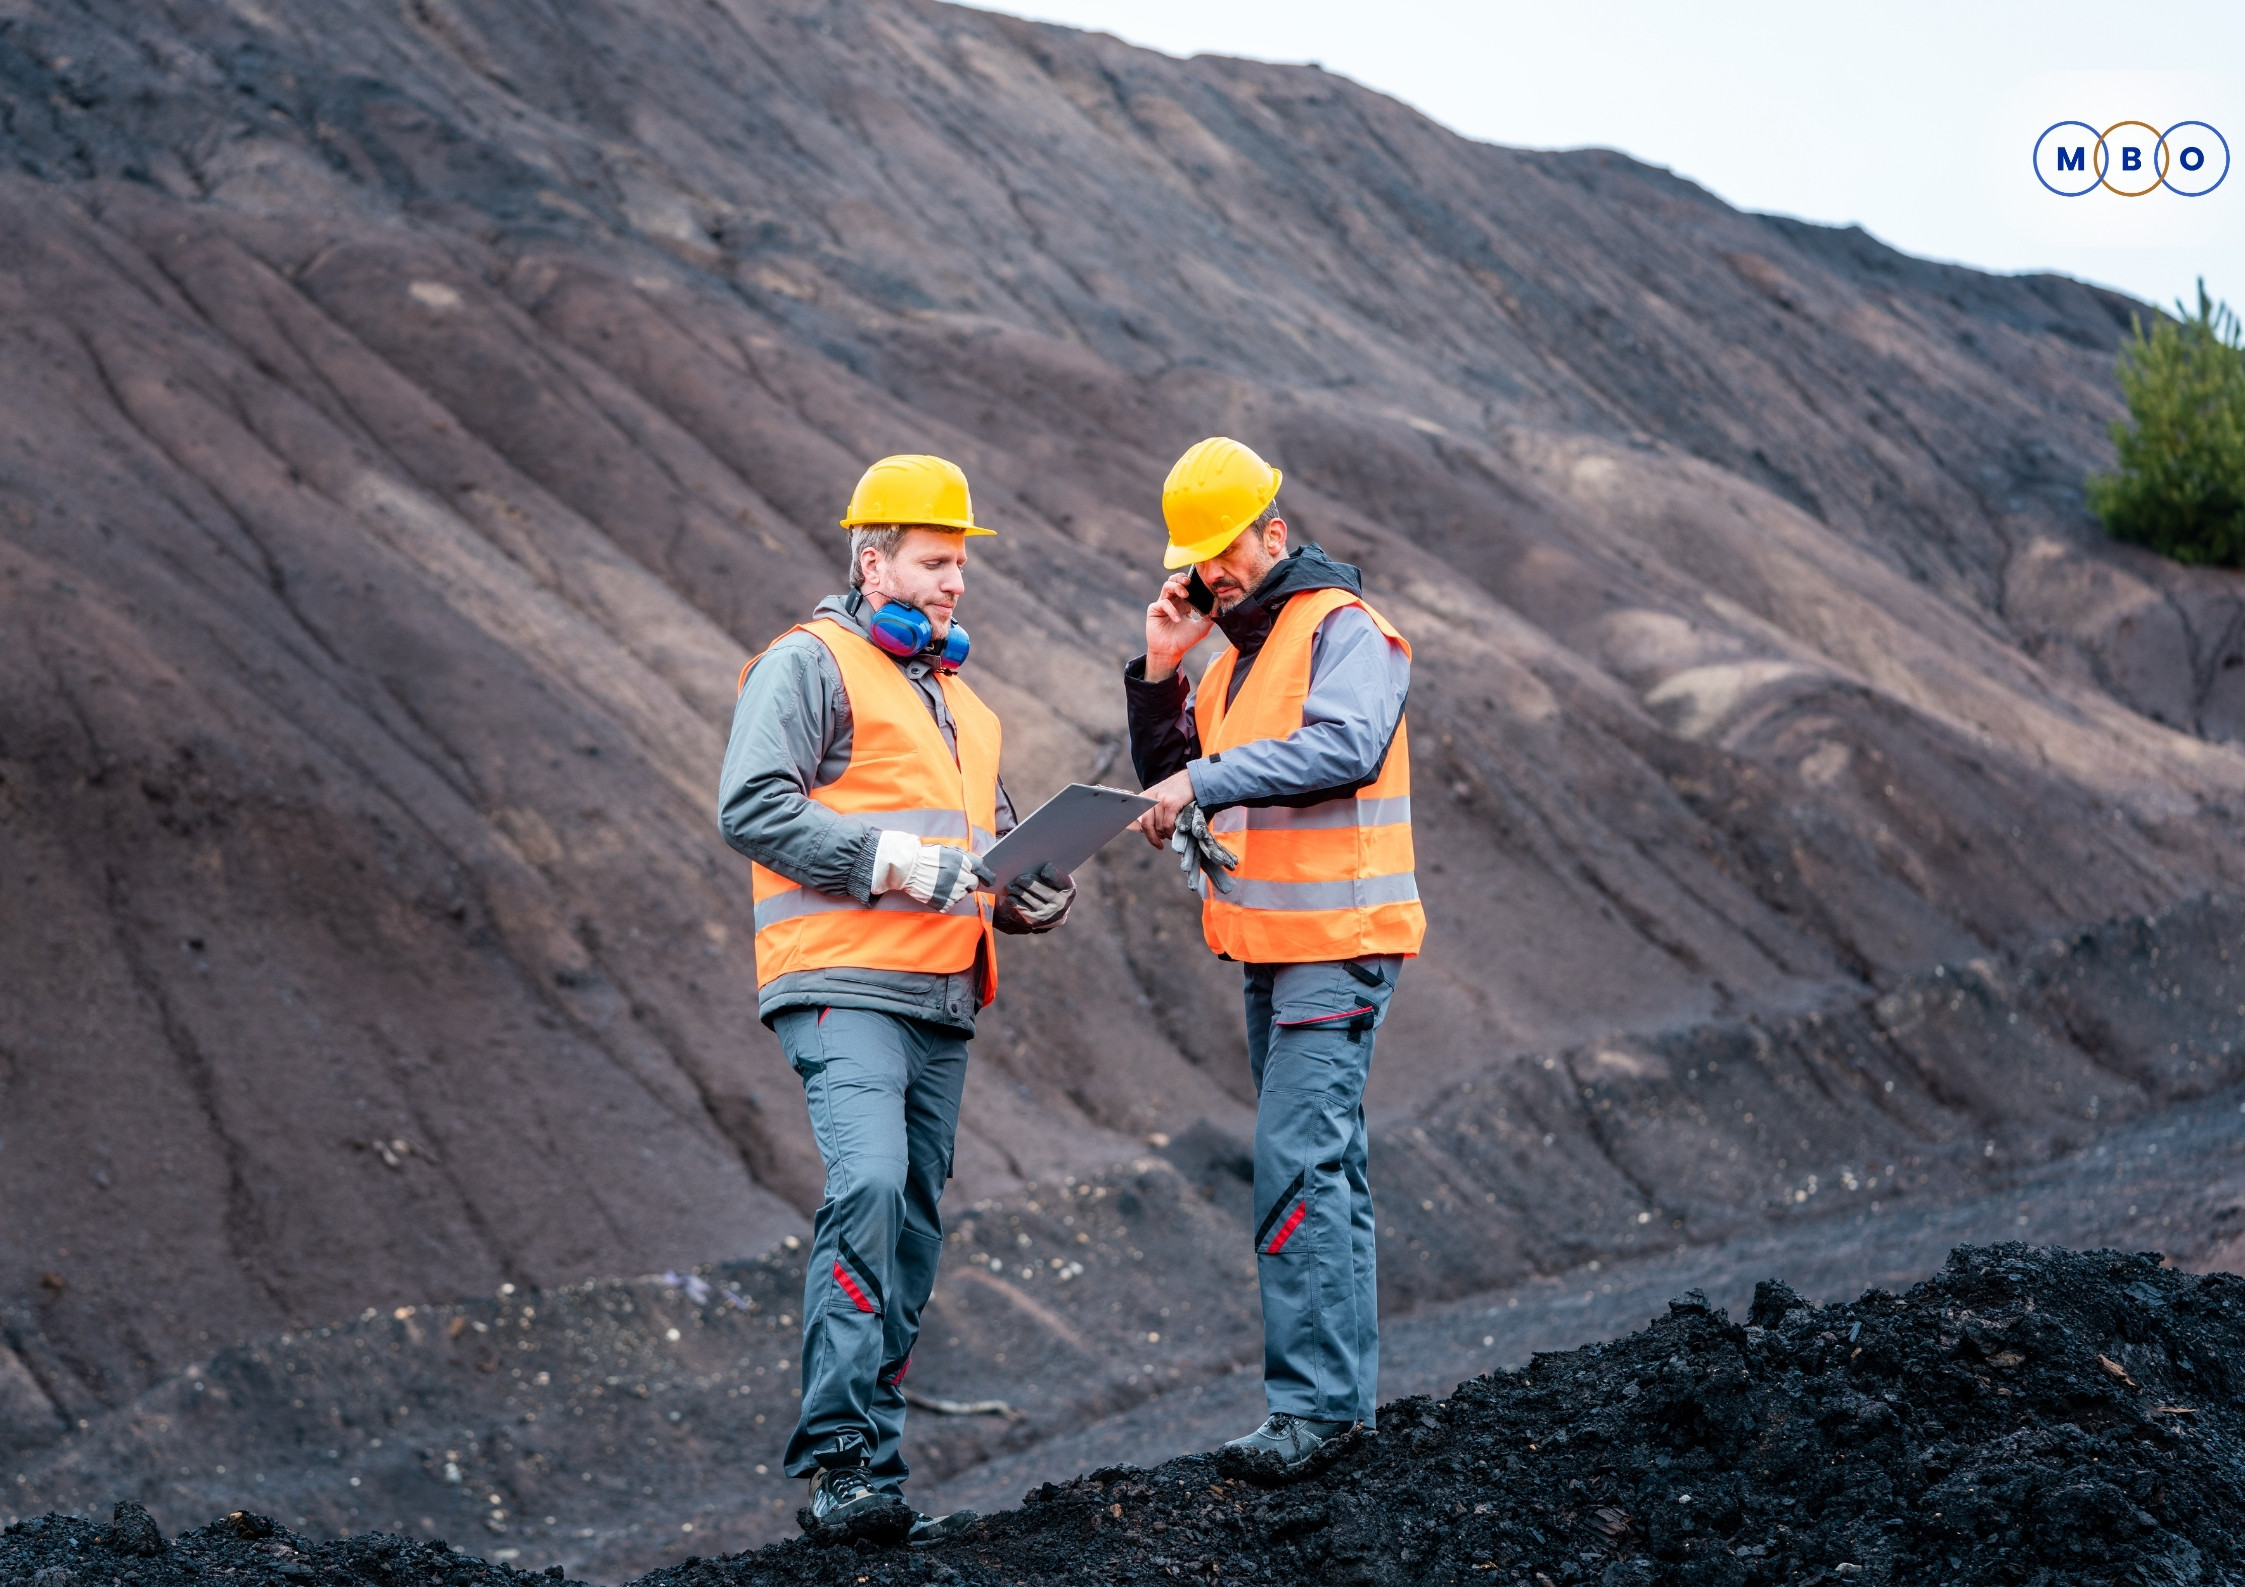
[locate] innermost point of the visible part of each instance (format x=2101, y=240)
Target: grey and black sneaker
x=1285, y=1446
x=927, y=1529
x=845, y=1506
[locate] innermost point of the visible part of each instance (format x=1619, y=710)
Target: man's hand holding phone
x=1176, y=622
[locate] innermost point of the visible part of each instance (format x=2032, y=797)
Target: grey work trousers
x=884, y=1094
x=1310, y=1033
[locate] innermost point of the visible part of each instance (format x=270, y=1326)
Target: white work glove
x=1040, y=897
x=936, y=874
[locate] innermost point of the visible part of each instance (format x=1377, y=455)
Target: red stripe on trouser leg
x=849, y=1288
x=900, y=1371
x=1322, y=1019
x=1286, y=1230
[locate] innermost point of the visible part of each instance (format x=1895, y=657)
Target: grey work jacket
x=791, y=734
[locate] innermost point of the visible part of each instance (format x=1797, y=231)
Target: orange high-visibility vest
x=1332, y=880
x=902, y=777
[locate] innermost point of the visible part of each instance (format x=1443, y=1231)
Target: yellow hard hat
x=914, y=490
x=1217, y=489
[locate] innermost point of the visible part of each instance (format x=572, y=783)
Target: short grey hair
x=1263, y=518
x=882, y=537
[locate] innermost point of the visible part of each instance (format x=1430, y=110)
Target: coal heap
x=2028, y=1415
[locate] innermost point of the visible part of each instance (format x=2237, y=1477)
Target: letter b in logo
x=2131, y=158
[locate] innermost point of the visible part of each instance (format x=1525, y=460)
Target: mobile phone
x=1202, y=597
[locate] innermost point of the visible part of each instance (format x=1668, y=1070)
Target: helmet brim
x=952, y=526
x=1174, y=557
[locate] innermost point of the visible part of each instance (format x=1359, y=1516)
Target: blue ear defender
x=901, y=630
x=904, y=631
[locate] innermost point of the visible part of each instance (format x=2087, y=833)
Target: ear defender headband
x=904, y=631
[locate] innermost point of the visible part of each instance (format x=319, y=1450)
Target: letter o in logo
x=2208, y=171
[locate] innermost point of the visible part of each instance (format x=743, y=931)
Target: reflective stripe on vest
x=797, y=901
x=1358, y=812
x=1332, y=880
x=1254, y=894
x=902, y=777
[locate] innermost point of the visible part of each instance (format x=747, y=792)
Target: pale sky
x=1917, y=121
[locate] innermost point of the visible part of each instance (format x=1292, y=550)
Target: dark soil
x=2028, y=1415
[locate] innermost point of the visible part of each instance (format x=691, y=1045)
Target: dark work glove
x=1201, y=851
x=1042, y=896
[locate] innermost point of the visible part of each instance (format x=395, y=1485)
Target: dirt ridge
x=1049, y=1297
x=2027, y=1415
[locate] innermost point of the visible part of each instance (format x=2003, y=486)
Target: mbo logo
x=2131, y=158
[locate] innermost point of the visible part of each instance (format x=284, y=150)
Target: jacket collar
x=1306, y=568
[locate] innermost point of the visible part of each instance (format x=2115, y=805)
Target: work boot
x=1285, y=1446
x=846, y=1506
x=928, y=1529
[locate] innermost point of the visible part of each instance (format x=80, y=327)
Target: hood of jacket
x=848, y=609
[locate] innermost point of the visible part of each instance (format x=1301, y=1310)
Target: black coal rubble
x=2027, y=1416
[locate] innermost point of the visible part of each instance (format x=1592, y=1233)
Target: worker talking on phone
x=1284, y=780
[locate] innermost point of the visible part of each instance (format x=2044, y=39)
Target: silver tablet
x=1066, y=830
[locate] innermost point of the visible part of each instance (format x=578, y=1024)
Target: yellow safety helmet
x=1217, y=489
x=914, y=490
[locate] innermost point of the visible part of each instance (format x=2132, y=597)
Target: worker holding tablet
x=862, y=778
x=1284, y=779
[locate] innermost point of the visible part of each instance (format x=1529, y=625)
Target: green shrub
x=2180, y=485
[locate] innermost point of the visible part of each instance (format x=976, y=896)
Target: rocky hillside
x=415, y=412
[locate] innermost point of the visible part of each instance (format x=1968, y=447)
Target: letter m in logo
x=2071, y=159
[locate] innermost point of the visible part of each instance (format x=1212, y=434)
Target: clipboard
x=1066, y=830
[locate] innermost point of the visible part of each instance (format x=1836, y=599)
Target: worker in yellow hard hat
x=862, y=779
x=1284, y=779
x=1216, y=491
